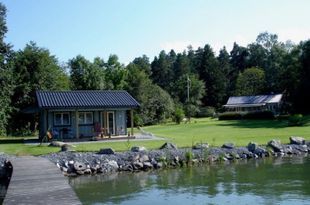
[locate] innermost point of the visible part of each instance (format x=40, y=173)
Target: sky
x=131, y=28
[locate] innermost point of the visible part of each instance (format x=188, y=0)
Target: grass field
x=240, y=132
x=215, y=132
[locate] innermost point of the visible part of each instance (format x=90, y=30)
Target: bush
x=206, y=112
x=296, y=120
x=283, y=117
x=137, y=120
x=263, y=115
x=230, y=116
x=178, y=115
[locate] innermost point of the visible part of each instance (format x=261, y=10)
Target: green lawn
x=240, y=132
x=184, y=135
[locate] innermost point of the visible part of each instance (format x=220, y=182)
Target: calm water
x=279, y=181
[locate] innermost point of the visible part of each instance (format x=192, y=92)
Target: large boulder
x=297, y=140
x=299, y=148
x=201, y=146
x=106, y=151
x=65, y=147
x=138, y=149
x=137, y=165
x=276, y=145
x=56, y=144
x=147, y=165
x=79, y=166
x=168, y=145
x=252, y=146
x=228, y=145
x=144, y=158
x=113, y=164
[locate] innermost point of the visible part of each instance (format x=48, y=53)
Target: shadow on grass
x=11, y=141
x=255, y=123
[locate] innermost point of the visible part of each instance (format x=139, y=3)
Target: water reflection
x=282, y=180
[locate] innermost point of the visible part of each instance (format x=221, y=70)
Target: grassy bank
x=215, y=132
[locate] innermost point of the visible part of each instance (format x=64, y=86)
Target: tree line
x=170, y=86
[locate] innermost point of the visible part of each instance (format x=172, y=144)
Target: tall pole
x=188, y=86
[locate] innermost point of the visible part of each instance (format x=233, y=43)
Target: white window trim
x=62, y=121
x=86, y=123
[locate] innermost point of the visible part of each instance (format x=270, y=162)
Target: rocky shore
x=139, y=159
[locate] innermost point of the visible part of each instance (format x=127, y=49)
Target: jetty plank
x=36, y=180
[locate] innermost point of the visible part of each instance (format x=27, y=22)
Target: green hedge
x=230, y=116
x=296, y=120
x=263, y=115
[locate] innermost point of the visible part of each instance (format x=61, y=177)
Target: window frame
x=62, y=119
x=84, y=118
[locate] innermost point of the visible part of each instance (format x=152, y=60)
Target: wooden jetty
x=36, y=180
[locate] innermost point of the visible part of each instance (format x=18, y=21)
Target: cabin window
x=86, y=118
x=62, y=118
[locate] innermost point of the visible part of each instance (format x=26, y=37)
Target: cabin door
x=111, y=123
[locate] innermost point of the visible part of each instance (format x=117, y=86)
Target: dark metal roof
x=256, y=99
x=86, y=99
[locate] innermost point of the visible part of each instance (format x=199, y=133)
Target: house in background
x=78, y=114
x=254, y=103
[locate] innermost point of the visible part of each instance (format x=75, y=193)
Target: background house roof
x=86, y=99
x=256, y=99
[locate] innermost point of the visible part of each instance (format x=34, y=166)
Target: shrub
x=296, y=120
x=138, y=121
x=246, y=115
x=283, y=117
x=206, y=112
x=262, y=115
x=230, y=116
x=178, y=115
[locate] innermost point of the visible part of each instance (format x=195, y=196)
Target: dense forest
x=170, y=86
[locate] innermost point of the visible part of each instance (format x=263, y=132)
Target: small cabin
x=84, y=114
x=254, y=103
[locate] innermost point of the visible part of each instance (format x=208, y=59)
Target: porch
x=79, y=125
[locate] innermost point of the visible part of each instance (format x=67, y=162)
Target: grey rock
x=299, y=148
x=252, y=146
x=276, y=145
x=127, y=167
x=261, y=152
x=87, y=171
x=56, y=144
x=228, y=145
x=65, y=148
x=168, y=145
x=229, y=156
x=297, y=140
x=144, y=158
x=159, y=165
x=147, y=165
x=201, y=146
x=79, y=166
x=176, y=159
x=138, y=149
x=137, y=165
x=113, y=164
x=106, y=151
x=80, y=172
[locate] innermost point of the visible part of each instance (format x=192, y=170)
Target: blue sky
x=131, y=28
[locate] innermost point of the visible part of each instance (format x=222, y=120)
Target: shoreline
x=169, y=156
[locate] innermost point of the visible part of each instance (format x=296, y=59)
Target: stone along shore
x=139, y=159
